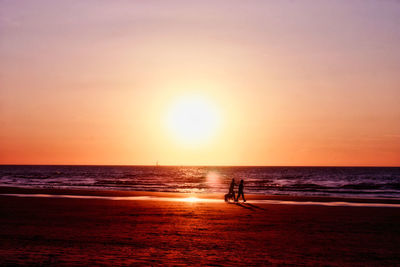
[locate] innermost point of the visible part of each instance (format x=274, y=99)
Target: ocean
x=370, y=182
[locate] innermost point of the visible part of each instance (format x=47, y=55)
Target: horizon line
x=202, y=165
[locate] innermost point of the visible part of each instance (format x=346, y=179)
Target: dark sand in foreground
x=62, y=231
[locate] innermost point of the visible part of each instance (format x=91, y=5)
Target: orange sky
x=292, y=82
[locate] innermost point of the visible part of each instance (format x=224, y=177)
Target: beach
x=146, y=231
x=129, y=129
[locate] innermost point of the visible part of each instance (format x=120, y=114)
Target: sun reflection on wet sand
x=194, y=199
x=190, y=199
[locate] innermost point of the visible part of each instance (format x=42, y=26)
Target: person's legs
x=241, y=194
x=238, y=196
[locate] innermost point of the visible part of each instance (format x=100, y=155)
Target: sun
x=193, y=119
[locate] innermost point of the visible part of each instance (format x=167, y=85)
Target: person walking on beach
x=231, y=189
x=240, y=191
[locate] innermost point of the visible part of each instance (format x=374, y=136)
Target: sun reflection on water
x=213, y=178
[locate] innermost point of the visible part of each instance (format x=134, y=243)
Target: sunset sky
x=271, y=82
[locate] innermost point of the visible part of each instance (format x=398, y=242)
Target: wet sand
x=113, y=193
x=74, y=231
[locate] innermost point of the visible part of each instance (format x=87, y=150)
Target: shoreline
x=207, y=200
x=126, y=195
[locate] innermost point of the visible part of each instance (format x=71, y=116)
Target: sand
x=67, y=231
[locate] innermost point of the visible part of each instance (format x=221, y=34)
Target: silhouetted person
x=231, y=188
x=240, y=191
x=231, y=193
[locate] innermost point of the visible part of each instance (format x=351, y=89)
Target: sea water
x=371, y=182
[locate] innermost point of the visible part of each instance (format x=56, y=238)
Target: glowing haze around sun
x=192, y=120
